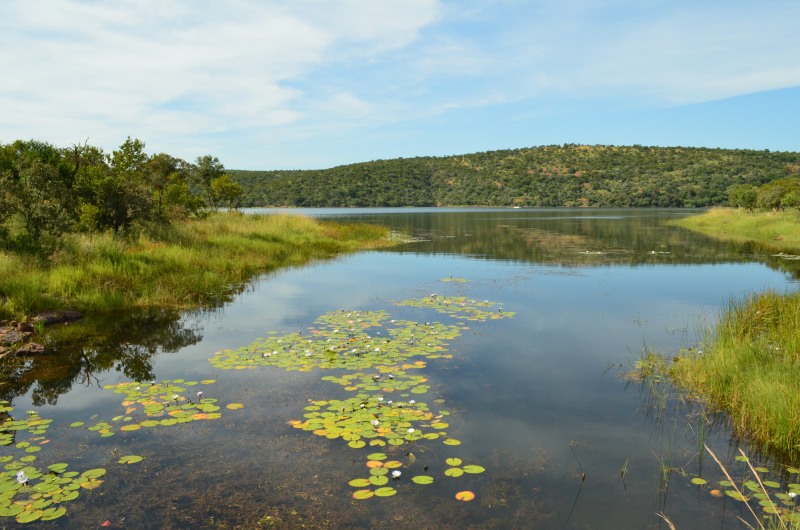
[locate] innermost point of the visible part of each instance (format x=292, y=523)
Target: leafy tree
x=207, y=168
x=743, y=196
x=225, y=192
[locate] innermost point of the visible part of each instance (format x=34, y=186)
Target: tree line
x=548, y=176
x=46, y=191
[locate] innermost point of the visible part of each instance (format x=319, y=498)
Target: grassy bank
x=750, y=364
x=773, y=231
x=189, y=264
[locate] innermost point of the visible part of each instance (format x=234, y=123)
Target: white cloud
x=233, y=76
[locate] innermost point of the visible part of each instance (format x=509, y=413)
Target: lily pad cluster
x=773, y=497
x=379, y=359
x=460, y=307
x=162, y=404
x=29, y=492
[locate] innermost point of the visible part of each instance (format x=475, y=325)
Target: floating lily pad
x=363, y=494
x=699, y=481
x=130, y=459
x=422, y=479
x=385, y=492
x=359, y=482
x=473, y=469
x=465, y=496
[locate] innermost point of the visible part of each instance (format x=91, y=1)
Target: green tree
x=743, y=196
x=207, y=168
x=225, y=192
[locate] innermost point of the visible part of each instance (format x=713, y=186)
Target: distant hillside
x=568, y=175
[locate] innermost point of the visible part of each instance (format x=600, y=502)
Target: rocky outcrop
x=16, y=337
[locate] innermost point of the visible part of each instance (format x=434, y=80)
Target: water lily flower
x=376, y=423
x=175, y=397
x=411, y=401
x=22, y=478
x=792, y=494
x=380, y=398
x=391, y=376
x=199, y=393
x=396, y=474
x=410, y=430
x=389, y=402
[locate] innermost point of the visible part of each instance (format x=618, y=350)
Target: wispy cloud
x=243, y=76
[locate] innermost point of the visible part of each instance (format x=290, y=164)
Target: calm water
x=539, y=400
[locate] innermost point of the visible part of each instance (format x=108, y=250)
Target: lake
x=473, y=377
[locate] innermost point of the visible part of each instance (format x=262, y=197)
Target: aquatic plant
x=30, y=493
x=379, y=360
x=162, y=404
x=775, y=499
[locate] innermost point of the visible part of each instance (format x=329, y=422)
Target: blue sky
x=300, y=84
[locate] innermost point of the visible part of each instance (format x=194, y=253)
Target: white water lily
x=175, y=397
x=411, y=401
x=396, y=474
x=411, y=430
x=22, y=478
x=380, y=398
x=793, y=494
x=199, y=393
x=376, y=423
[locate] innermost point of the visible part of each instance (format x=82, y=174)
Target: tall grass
x=750, y=368
x=194, y=263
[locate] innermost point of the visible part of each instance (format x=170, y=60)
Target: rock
x=25, y=327
x=56, y=317
x=10, y=336
x=30, y=349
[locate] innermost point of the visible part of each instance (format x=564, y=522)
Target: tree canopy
x=548, y=176
x=46, y=191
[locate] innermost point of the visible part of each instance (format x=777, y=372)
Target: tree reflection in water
x=76, y=352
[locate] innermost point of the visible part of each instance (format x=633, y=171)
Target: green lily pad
x=422, y=479
x=363, y=494
x=130, y=459
x=359, y=482
x=385, y=492
x=454, y=462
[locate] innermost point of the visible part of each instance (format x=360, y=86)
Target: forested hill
x=568, y=175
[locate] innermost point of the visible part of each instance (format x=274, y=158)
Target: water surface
x=539, y=399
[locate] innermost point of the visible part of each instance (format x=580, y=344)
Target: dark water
x=539, y=400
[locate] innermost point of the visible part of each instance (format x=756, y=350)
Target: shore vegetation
x=85, y=230
x=748, y=364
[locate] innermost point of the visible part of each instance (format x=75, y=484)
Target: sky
x=308, y=84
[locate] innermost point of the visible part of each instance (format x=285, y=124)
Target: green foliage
x=46, y=192
x=567, y=176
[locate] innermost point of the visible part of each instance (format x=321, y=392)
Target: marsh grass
x=750, y=369
x=194, y=263
x=773, y=231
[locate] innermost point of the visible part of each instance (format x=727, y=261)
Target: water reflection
x=532, y=398
x=78, y=351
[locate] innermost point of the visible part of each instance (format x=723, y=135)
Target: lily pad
x=130, y=459
x=385, y=492
x=422, y=479
x=363, y=494
x=465, y=496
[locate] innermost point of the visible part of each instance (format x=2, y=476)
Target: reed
x=194, y=263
